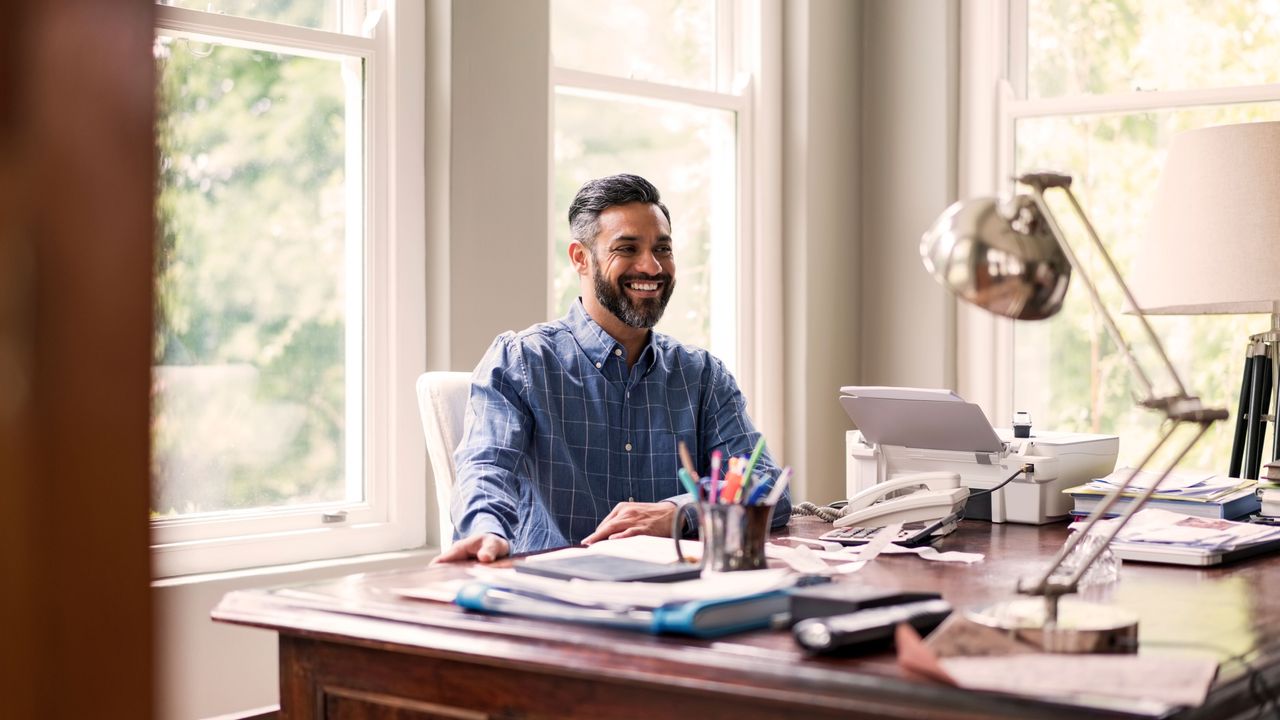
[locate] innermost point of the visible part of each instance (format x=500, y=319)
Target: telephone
x=939, y=495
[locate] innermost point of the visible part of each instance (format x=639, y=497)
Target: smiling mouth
x=643, y=286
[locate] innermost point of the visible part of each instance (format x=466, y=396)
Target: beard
x=644, y=313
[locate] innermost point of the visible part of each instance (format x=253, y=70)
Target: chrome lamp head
x=1000, y=256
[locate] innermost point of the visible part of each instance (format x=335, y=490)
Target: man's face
x=632, y=265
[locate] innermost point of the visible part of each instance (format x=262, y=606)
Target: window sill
x=275, y=574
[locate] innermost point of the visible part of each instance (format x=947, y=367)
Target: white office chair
x=442, y=401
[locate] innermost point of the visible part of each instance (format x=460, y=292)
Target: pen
x=715, y=476
x=749, y=483
x=755, y=457
x=757, y=493
x=688, y=461
x=779, y=486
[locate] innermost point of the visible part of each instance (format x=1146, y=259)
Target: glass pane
x=1067, y=372
x=688, y=153
x=1123, y=45
x=332, y=15
x=249, y=399
x=666, y=41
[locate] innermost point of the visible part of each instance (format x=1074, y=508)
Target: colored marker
x=755, y=457
x=687, y=482
x=730, y=492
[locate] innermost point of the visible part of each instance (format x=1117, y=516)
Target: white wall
x=908, y=139
x=498, y=173
x=821, y=208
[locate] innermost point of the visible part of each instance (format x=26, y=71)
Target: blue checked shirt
x=559, y=431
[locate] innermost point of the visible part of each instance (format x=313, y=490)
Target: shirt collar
x=598, y=345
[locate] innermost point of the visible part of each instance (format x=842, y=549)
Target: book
x=1271, y=471
x=1269, y=497
x=1238, y=503
x=705, y=618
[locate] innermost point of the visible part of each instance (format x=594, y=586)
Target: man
x=572, y=427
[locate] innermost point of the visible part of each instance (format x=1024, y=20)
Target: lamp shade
x=1213, y=244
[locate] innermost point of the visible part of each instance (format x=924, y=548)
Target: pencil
x=688, y=461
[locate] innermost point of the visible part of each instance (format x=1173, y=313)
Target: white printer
x=910, y=430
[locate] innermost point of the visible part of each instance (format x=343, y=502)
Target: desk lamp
x=1214, y=248
x=1012, y=259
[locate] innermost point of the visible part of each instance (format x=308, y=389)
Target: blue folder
x=698, y=618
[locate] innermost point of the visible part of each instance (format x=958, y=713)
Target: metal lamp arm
x=1177, y=409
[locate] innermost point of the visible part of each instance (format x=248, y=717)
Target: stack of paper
x=1179, y=484
x=1202, y=494
x=1152, y=533
x=1159, y=526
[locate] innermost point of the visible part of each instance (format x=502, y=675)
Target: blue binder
x=698, y=618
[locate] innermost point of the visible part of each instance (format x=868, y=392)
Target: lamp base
x=1081, y=627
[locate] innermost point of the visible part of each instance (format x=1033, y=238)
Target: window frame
x=391, y=336
x=992, y=69
x=748, y=73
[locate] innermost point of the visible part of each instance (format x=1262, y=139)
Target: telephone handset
x=940, y=495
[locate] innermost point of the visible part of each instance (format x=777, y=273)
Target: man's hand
x=630, y=518
x=483, y=547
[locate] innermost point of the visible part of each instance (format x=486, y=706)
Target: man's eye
x=663, y=250
x=624, y=250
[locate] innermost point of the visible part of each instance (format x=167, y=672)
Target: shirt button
x=628, y=446
x=617, y=351
x=628, y=393
x=631, y=499
x=597, y=366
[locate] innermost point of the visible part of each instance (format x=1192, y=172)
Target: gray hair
x=596, y=196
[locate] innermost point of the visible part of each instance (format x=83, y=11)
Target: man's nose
x=648, y=263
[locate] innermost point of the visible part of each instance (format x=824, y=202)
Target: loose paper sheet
x=1172, y=681
x=649, y=548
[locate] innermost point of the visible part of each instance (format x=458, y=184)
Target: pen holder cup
x=733, y=536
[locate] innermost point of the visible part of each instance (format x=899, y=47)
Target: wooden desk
x=447, y=663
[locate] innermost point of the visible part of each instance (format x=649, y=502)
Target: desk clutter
x=1269, y=493
x=1190, y=493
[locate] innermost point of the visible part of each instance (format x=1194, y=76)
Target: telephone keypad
x=910, y=535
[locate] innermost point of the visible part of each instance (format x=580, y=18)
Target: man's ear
x=578, y=255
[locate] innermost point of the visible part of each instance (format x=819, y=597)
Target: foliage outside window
x=285, y=341
x=1067, y=371
x=249, y=394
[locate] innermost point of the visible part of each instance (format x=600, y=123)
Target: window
x=279, y=388
x=1098, y=90
x=662, y=88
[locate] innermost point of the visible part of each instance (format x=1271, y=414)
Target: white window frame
x=748, y=82
x=990, y=106
x=386, y=354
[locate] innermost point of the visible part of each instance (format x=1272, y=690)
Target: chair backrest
x=442, y=402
